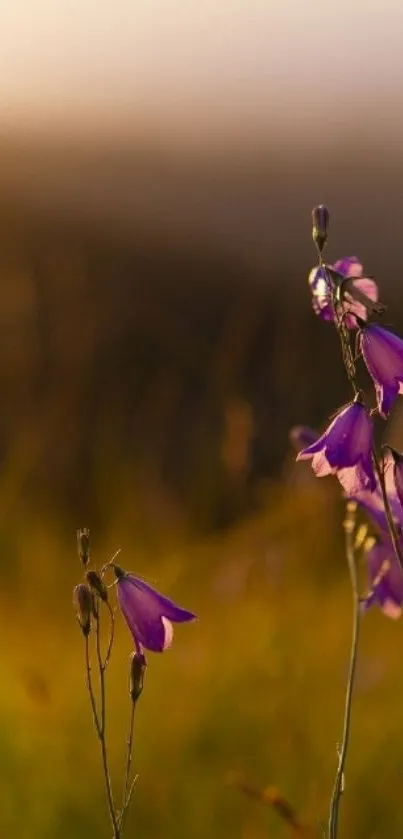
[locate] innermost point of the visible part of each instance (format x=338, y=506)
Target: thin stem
x=347, y=355
x=101, y=734
x=111, y=635
x=127, y=792
x=349, y=525
x=90, y=687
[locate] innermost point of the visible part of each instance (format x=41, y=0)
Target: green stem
x=127, y=791
x=101, y=733
x=349, y=525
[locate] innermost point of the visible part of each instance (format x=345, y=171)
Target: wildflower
x=385, y=579
x=357, y=291
x=301, y=436
x=383, y=355
x=148, y=614
x=82, y=600
x=345, y=450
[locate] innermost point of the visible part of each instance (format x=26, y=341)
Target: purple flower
x=385, y=579
x=383, y=354
x=321, y=288
x=345, y=450
x=372, y=503
x=148, y=614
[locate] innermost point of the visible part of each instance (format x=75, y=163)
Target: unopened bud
x=97, y=585
x=320, y=226
x=82, y=599
x=138, y=667
x=83, y=545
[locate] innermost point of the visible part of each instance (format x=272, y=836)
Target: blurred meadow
x=157, y=344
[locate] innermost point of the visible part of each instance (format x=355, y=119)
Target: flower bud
x=97, y=585
x=82, y=599
x=138, y=667
x=320, y=225
x=83, y=545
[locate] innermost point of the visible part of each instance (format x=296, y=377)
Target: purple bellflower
x=345, y=450
x=385, y=579
x=321, y=288
x=383, y=354
x=148, y=614
x=372, y=504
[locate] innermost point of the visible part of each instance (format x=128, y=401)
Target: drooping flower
x=148, y=613
x=383, y=355
x=322, y=282
x=385, y=579
x=372, y=503
x=302, y=436
x=345, y=450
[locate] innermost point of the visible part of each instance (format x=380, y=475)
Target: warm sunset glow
x=231, y=66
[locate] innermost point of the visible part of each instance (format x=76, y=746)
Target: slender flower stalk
x=342, y=294
x=102, y=664
x=350, y=368
x=338, y=788
x=149, y=616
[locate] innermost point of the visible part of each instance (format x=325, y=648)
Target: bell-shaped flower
x=383, y=355
x=358, y=290
x=345, y=450
x=385, y=579
x=148, y=614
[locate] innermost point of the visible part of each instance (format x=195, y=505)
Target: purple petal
x=321, y=289
x=370, y=288
x=346, y=449
x=383, y=355
x=321, y=294
x=388, y=592
x=349, y=266
x=148, y=614
x=372, y=503
x=167, y=607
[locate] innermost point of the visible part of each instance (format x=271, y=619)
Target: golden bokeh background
x=158, y=165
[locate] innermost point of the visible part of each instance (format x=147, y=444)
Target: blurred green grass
x=255, y=687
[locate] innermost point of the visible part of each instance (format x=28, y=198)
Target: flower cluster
x=344, y=295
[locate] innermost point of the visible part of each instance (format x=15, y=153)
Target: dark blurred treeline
x=166, y=368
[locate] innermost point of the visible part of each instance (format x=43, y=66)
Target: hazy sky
x=202, y=65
